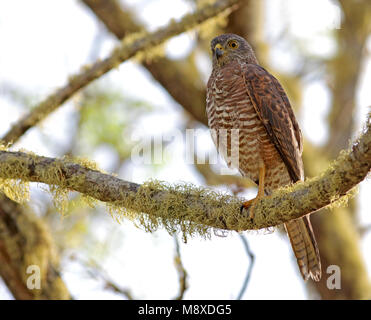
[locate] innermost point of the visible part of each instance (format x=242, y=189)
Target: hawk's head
x=231, y=47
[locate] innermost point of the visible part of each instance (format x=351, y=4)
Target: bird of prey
x=254, y=128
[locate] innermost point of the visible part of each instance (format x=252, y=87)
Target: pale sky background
x=42, y=42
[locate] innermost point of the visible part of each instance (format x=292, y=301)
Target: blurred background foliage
x=321, y=70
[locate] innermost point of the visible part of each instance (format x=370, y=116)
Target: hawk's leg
x=251, y=203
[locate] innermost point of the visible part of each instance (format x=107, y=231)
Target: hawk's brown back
x=274, y=110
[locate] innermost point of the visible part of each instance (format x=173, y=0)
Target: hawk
x=248, y=111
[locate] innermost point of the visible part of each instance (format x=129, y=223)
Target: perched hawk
x=248, y=111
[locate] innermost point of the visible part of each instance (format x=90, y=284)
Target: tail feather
x=306, y=251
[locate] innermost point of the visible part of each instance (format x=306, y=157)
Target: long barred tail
x=304, y=244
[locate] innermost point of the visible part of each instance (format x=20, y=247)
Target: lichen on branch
x=129, y=47
x=190, y=209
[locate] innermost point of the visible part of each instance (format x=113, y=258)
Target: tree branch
x=176, y=77
x=25, y=241
x=129, y=47
x=172, y=205
x=337, y=234
x=345, y=71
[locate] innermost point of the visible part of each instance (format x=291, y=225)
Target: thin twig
x=182, y=272
x=96, y=272
x=251, y=265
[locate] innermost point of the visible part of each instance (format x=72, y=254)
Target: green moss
x=61, y=192
x=174, y=212
x=183, y=207
x=15, y=189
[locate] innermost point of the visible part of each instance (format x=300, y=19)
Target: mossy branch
x=128, y=48
x=196, y=209
x=175, y=76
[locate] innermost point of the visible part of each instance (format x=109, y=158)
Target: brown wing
x=274, y=110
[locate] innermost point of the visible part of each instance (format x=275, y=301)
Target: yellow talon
x=251, y=203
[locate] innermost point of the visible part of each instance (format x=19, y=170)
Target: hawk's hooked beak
x=219, y=51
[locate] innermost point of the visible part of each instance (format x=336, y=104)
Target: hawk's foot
x=249, y=206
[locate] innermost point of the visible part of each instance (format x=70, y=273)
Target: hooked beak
x=219, y=51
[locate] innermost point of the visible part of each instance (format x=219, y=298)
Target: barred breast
x=243, y=141
x=238, y=132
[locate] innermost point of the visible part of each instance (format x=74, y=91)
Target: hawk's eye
x=233, y=44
